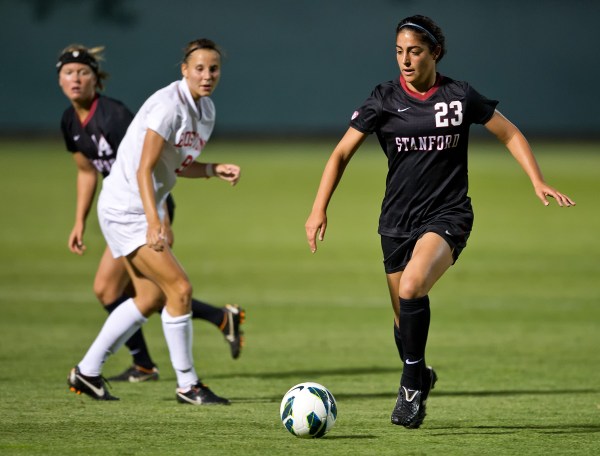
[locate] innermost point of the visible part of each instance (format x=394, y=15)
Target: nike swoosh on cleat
x=412, y=393
x=98, y=391
x=230, y=337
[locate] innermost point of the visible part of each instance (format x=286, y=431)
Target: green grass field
x=515, y=331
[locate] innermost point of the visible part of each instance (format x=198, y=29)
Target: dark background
x=302, y=67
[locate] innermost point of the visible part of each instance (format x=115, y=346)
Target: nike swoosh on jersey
x=403, y=109
x=76, y=138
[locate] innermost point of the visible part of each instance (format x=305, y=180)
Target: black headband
x=78, y=57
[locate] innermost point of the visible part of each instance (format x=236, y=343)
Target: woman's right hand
x=315, y=225
x=341, y=155
x=76, y=244
x=155, y=237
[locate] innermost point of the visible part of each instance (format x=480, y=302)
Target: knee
x=183, y=291
x=412, y=287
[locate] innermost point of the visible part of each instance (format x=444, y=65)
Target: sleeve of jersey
x=366, y=118
x=160, y=119
x=481, y=109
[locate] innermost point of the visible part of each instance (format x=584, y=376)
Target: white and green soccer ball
x=308, y=410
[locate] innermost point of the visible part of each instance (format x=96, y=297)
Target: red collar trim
x=426, y=95
x=92, y=111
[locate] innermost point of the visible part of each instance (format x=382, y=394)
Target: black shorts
x=455, y=229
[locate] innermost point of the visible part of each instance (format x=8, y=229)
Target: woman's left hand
x=543, y=191
x=228, y=172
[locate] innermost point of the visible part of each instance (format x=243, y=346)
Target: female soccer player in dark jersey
x=422, y=122
x=93, y=127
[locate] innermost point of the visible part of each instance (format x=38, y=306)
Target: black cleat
x=234, y=317
x=92, y=386
x=200, y=394
x=136, y=374
x=407, y=411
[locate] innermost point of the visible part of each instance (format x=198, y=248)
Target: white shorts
x=124, y=231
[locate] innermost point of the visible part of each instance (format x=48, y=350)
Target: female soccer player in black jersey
x=422, y=122
x=93, y=127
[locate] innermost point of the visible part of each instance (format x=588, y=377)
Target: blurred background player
x=422, y=122
x=93, y=127
x=162, y=142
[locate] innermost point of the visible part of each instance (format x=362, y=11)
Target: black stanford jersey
x=99, y=136
x=425, y=138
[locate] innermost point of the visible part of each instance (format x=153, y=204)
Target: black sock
x=414, y=328
x=136, y=343
x=207, y=312
x=398, y=341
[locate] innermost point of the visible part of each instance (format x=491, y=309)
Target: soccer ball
x=308, y=410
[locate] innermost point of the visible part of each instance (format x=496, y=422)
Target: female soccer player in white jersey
x=162, y=142
x=93, y=127
x=422, y=122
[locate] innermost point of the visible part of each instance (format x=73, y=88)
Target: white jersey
x=186, y=126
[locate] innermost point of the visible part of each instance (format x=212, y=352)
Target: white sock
x=179, y=334
x=118, y=328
